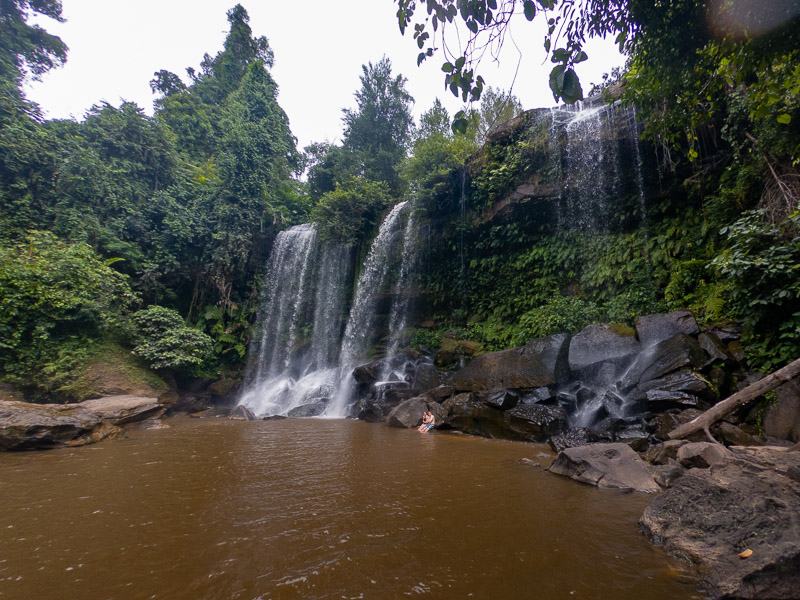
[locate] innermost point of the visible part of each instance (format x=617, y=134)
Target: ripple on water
x=315, y=509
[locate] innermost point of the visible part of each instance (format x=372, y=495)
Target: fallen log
x=740, y=398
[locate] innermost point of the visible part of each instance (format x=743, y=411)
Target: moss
x=622, y=329
x=111, y=369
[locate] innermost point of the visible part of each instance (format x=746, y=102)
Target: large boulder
x=782, y=419
x=408, y=413
x=312, y=409
x=25, y=426
x=470, y=415
x=597, y=350
x=702, y=455
x=751, y=502
x=535, y=422
x=572, y=438
x=653, y=329
x=123, y=410
x=539, y=363
x=656, y=361
x=606, y=466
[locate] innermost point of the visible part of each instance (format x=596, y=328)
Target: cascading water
x=362, y=331
x=296, y=356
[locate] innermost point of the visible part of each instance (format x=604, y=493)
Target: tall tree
x=379, y=129
x=497, y=106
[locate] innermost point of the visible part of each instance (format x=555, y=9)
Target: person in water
x=428, y=421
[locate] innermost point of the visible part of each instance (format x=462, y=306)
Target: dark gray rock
x=702, y=455
x=606, y=466
x=726, y=333
x=716, y=350
x=25, y=426
x=667, y=356
x=537, y=364
x=426, y=378
x=408, y=413
x=782, y=419
x=440, y=393
x=368, y=373
x=573, y=438
x=732, y=435
x=535, y=422
x=314, y=409
x=542, y=395
x=446, y=360
x=370, y=410
x=660, y=400
x=472, y=416
x=709, y=516
x=601, y=343
x=660, y=425
x=684, y=380
x=653, y=329
x=504, y=400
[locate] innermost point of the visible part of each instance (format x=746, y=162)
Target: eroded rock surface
x=26, y=426
x=749, y=502
x=606, y=466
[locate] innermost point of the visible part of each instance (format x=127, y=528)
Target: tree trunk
x=727, y=406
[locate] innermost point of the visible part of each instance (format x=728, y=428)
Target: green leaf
x=447, y=67
x=529, y=8
x=784, y=118
x=571, y=90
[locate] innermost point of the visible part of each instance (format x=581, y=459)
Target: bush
x=164, y=340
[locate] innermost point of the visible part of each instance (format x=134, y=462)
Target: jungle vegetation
x=153, y=231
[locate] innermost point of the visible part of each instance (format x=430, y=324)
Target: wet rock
x=504, y=400
x=662, y=358
x=599, y=344
x=782, y=419
x=535, y=422
x=440, y=393
x=193, y=385
x=538, y=363
x=426, y=378
x=659, y=426
x=660, y=400
x=733, y=435
x=446, y=360
x=215, y=412
x=225, y=390
x=122, y=410
x=726, y=333
x=368, y=373
x=408, y=414
x=370, y=410
x=702, y=455
x=709, y=516
x=26, y=426
x=717, y=353
x=573, y=438
x=242, y=413
x=606, y=466
x=685, y=380
x=472, y=416
x=542, y=395
x=653, y=329
x=662, y=454
x=736, y=350
x=313, y=409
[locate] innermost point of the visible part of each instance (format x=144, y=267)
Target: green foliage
x=351, y=210
x=560, y=314
x=55, y=296
x=762, y=264
x=164, y=341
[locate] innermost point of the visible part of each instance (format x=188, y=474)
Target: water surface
x=316, y=509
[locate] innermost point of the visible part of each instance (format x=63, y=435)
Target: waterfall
x=362, y=326
x=294, y=366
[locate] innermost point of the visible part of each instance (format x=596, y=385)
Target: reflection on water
x=315, y=509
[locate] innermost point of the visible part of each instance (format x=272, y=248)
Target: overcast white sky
x=320, y=45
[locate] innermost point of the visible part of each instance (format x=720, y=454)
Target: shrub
x=165, y=341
